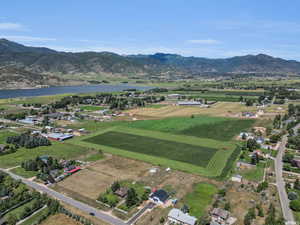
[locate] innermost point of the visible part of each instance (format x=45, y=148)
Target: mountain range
x=39, y=66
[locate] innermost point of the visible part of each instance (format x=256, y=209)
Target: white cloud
x=204, y=41
x=27, y=38
x=11, y=26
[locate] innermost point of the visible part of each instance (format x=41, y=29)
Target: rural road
x=284, y=201
x=83, y=207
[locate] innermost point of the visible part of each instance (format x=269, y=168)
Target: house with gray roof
x=178, y=217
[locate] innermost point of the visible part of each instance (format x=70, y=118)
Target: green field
x=217, y=128
x=16, y=212
x=173, y=150
x=23, y=173
x=4, y=135
x=200, y=198
x=35, y=218
x=202, y=145
x=57, y=149
x=91, y=107
x=196, y=155
x=254, y=174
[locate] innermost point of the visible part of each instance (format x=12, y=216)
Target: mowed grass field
x=156, y=147
x=201, y=145
x=218, y=128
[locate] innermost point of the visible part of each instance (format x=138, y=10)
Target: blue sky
x=206, y=28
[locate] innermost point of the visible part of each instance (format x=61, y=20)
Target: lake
x=15, y=93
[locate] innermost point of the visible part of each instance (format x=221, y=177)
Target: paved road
x=83, y=207
x=284, y=201
x=140, y=213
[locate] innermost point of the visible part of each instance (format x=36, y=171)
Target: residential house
x=237, y=178
x=249, y=115
x=59, y=136
x=122, y=192
x=219, y=215
x=189, y=103
x=296, y=163
x=178, y=217
x=159, y=196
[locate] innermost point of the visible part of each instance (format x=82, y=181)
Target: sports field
x=201, y=145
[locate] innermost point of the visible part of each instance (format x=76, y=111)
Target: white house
x=178, y=217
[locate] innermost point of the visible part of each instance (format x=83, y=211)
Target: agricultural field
x=218, y=128
x=197, y=145
x=223, y=109
x=57, y=150
x=156, y=147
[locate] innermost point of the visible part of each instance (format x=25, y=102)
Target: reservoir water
x=16, y=93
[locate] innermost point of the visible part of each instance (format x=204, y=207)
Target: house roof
x=220, y=213
x=121, y=191
x=189, y=103
x=161, y=194
x=182, y=217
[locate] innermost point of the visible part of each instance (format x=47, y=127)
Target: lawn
x=91, y=107
x=57, y=149
x=16, y=212
x=254, y=174
x=192, y=154
x=200, y=198
x=94, y=157
x=35, y=218
x=4, y=135
x=23, y=173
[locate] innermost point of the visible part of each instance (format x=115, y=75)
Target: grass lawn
x=34, y=219
x=297, y=216
x=23, y=173
x=57, y=149
x=4, y=135
x=254, y=174
x=16, y=212
x=200, y=198
x=91, y=107
x=173, y=150
x=155, y=106
x=94, y=157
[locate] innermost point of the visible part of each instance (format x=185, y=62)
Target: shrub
x=295, y=205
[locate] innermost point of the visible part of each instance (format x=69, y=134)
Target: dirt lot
x=98, y=176
x=60, y=219
x=241, y=199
